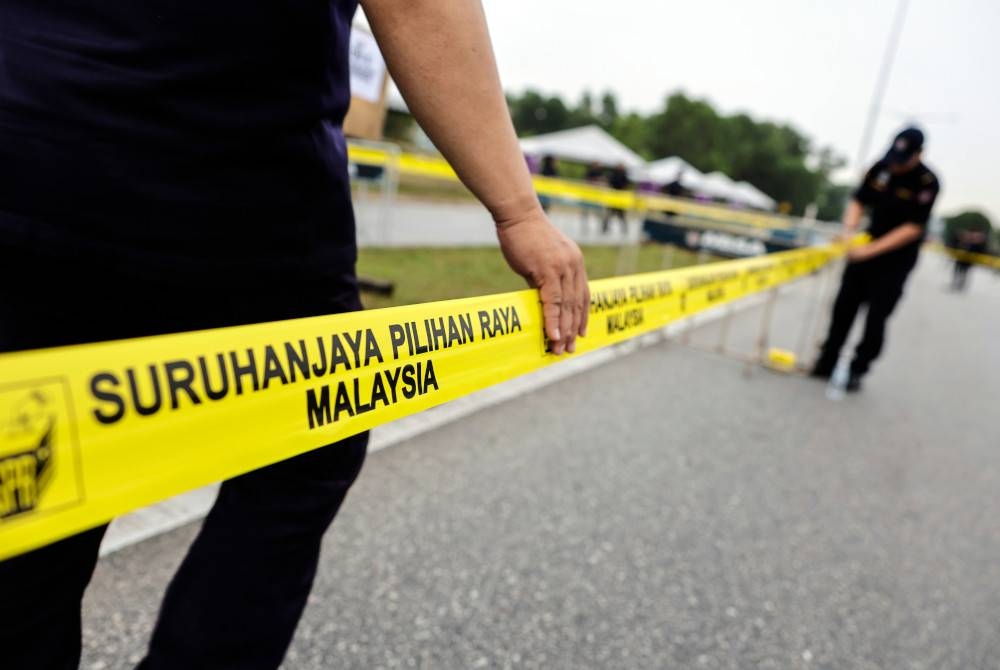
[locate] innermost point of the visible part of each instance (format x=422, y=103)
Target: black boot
x=822, y=369
x=853, y=383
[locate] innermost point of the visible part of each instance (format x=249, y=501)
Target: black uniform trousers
x=869, y=283
x=239, y=593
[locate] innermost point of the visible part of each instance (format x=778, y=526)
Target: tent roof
x=584, y=145
x=754, y=197
x=718, y=185
x=666, y=170
x=715, y=184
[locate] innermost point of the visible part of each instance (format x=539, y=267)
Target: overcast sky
x=812, y=63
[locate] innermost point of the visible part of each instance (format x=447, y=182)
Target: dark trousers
x=960, y=276
x=237, y=597
x=863, y=284
x=613, y=213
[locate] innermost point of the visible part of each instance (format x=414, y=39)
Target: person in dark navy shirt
x=899, y=192
x=173, y=165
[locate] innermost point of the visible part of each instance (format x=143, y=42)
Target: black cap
x=906, y=145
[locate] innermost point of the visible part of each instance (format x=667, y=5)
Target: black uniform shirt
x=193, y=140
x=894, y=200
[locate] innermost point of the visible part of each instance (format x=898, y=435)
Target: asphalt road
x=668, y=510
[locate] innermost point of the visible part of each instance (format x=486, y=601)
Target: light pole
x=883, y=80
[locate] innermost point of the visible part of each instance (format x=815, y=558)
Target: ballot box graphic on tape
x=38, y=457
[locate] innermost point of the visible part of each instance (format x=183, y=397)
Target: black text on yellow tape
x=93, y=431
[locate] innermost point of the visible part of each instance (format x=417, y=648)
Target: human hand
x=860, y=253
x=552, y=263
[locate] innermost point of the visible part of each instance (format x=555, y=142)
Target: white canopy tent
x=714, y=185
x=666, y=171
x=583, y=145
x=754, y=197
x=718, y=185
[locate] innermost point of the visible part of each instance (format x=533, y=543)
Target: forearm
x=896, y=238
x=439, y=54
x=852, y=216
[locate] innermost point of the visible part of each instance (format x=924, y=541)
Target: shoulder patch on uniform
x=927, y=178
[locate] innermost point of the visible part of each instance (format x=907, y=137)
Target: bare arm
x=440, y=55
x=852, y=218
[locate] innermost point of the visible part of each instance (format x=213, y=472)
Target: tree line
x=971, y=221
x=775, y=157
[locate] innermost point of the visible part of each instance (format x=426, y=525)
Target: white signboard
x=367, y=66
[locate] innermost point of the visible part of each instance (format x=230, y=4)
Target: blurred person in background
x=675, y=189
x=898, y=192
x=618, y=180
x=175, y=166
x=968, y=241
x=550, y=168
x=595, y=176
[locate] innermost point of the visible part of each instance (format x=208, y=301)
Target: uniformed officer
x=899, y=192
x=171, y=165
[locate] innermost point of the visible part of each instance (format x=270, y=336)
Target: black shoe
x=821, y=371
x=853, y=383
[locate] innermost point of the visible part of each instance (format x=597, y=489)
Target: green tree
x=966, y=221
x=585, y=108
x=687, y=128
x=774, y=157
x=832, y=200
x=631, y=130
x=399, y=126
x=609, y=110
x=534, y=113
x=583, y=114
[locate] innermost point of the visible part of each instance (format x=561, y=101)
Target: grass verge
x=425, y=274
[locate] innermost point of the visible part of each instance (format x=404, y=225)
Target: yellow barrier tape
x=425, y=166
x=586, y=193
x=701, y=210
x=368, y=155
x=985, y=260
x=438, y=168
x=93, y=431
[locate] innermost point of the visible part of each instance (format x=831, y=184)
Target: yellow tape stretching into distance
x=90, y=432
x=985, y=260
x=438, y=168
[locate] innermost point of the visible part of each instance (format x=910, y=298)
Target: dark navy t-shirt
x=193, y=140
